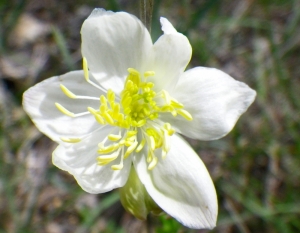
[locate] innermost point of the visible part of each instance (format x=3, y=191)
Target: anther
x=97, y=116
x=99, y=119
x=130, y=149
x=67, y=92
x=128, y=143
x=117, y=167
x=131, y=133
x=150, y=156
x=170, y=130
x=92, y=110
x=85, y=69
x=108, y=149
x=166, y=96
x=105, y=159
x=149, y=74
x=153, y=163
x=185, y=114
x=133, y=71
x=103, y=100
x=70, y=140
x=164, y=153
x=176, y=104
x=64, y=110
x=108, y=118
x=114, y=137
x=141, y=145
x=152, y=143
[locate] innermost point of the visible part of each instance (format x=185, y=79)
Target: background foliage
x=255, y=168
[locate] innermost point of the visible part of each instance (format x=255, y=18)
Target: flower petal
x=39, y=103
x=80, y=160
x=214, y=99
x=169, y=57
x=112, y=43
x=181, y=185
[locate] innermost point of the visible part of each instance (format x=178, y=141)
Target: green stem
x=146, y=9
x=150, y=228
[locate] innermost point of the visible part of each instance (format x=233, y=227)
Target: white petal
x=39, y=103
x=166, y=26
x=169, y=57
x=214, y=99
x=112, y=43
x=181, y=185
x=80, y=160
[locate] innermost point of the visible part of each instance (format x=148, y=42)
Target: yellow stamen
x=185, y=114
x=114, y=137
x=107, y=158
x=92, y=110
x=109, y=149
x=117, y=167
x=85, y=69
x=167, y=126
x=164, y=153
x=67, y=92
x=130, y=149
x=64, y=111
x=149, y=74
x=141, y=145
x=111, y=98
x=153, y=163
x=108, y=118
x=103, y=100
x=152, y=143
x=131, y=133
x=97, y=116
x=150, y=156
x=133, y=71
x=176, y=104
x=70, y=140
x=166, y=96
x=99, y=119
x=116, y=111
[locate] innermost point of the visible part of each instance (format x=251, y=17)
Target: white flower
x=145, y=96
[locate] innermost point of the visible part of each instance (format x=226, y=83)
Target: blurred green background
x=256, y=168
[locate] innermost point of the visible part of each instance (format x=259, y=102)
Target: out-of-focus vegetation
x=255, y=168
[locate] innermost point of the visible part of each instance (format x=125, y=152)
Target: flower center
x=134, y=118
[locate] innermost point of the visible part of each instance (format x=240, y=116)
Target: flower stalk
x=146, y=10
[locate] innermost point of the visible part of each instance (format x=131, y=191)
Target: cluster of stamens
x=135, y=116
